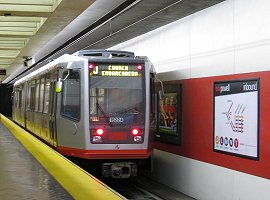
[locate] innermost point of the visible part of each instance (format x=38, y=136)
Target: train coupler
x=119, y=170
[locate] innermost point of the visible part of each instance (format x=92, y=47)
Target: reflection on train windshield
x=116, y=100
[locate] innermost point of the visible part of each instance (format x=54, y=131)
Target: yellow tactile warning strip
x=79, y=183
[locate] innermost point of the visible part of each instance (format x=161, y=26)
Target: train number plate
x=116, y=119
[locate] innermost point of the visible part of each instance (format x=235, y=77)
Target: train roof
x=48, y=67
x=79, y=56
x=105, y=53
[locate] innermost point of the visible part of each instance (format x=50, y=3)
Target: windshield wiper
x=128, y=111
x=104, y=114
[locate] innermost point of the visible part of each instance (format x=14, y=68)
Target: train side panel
x=19, y=104
x=72, y=108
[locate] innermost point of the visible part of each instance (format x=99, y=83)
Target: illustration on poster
x=237, y=120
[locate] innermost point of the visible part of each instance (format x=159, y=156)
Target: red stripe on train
x=105, y=154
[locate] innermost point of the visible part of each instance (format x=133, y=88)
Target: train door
x=37, y=109
x=15, y=104
x=22, y=105
x=70, y=129
x=52, y=110
x=29, y=113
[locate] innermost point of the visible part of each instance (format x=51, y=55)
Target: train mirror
x=58, y=86
x=161, y=94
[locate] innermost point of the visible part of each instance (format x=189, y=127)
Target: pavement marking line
x=77, y=182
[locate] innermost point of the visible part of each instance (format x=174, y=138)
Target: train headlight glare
x=91, y=66
x=137, y=138
x=97, y=139
x=100, y=131
x=139, y=67
x=135, y=131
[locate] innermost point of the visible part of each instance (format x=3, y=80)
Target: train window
x=168, y=126
x=20, y=99
x=116, y=97
x=32, y=98
x=53, y=77
x=47, y=95
x=16, y=97
x=32, y=95
x=70, y=106
x=41, y=95
x=20, y=95
x=28, y=96
x=37, y=95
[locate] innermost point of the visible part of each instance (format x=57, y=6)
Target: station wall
x=228, y=41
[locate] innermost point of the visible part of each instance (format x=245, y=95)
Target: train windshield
x=116, y=100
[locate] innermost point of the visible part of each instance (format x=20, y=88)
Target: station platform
x=30, y=169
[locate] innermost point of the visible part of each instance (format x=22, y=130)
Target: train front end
x=119, y=107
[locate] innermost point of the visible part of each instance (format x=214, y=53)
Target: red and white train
x=93, y=105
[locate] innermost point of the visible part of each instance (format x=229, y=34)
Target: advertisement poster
x=236, y=112
x=168, y=114
x=168, y=108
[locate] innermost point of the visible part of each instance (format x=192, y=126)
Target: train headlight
x=91, y=66
x=97, y=139
x=100, y=131
x=139, y=67
x=138, y=139
x=135, y=131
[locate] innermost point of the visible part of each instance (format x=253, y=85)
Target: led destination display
x=115, y=70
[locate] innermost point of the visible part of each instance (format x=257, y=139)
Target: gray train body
x=93, y=105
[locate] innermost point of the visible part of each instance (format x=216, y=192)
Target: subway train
x=92, y=105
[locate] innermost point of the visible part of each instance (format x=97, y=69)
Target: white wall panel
x=212, y=29
x=252, y=35
x=147, y=43
x=250, y=187
x=194, y=178
x=209, y=38
x=205, y=181
x=212, y=41
x=174, y=70
x=212, y=64
x=175, y=41
x=252, y=58
x=252, y=21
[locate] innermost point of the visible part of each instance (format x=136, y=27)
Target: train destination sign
x=114, y=70
x=236, y=114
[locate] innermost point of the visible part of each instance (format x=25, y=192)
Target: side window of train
x=20, y=99
x=32, y=96
x=28, y=96
x=47, y=96
x=41, y=95
x=37, y=95
x=17, y=98
x=70, y=105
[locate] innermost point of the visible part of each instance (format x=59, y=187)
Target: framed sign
x=2, y=72
x=168, y=126
x=236, y=117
